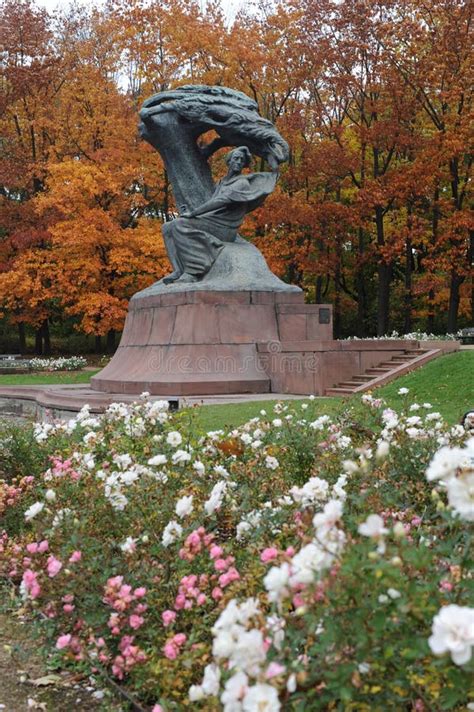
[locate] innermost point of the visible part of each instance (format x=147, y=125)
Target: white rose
x=382, y=450
x=32, y=511
x=261, y=698
x=453, y=632
x=184, y=506
x=171, y=533
x=199, y=467
x=373, y=527
x=157, y=460
x=180, y=457
x=174, y=438
x=271, y=462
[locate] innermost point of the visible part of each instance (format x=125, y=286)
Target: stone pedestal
x=208, y=342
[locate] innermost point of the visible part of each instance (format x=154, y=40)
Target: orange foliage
x=372, y=211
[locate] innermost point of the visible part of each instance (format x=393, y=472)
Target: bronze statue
x=210, y=215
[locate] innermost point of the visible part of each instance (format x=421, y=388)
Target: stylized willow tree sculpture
x=173, y=121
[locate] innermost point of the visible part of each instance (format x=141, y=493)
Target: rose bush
x=296, y=562
x=62, y=363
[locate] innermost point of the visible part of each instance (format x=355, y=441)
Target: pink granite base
x=207, y=343
x=313, y=366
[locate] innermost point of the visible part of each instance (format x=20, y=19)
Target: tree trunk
x=471, y=264
x=46, y=338
x=98, y=344
x=408, y=299
x=110, y=341
x=337, y=306
x=384, y=271
x=407, y=326
x=22, y=337
x=434, y=238
x=454, y=297
x=456, y=279
x=360, y=287
x=431, y=308
x=39, y=342
x=319, y=290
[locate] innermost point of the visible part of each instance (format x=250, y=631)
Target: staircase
x=383, y=373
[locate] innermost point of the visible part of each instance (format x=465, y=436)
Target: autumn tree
x=437, y=64
x=30, y=80
x=372, y=211
x=100, y=200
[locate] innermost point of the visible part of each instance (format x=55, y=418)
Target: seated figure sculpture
x=194, y=240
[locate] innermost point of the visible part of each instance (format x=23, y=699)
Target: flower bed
x=412, y=336
x=63, y=363
x=294, y=563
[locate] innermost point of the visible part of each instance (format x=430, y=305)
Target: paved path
x=63, y=401
x=24, y=678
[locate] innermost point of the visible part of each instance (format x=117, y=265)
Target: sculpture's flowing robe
x=196, y=242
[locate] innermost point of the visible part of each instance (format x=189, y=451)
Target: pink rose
x=63, y=641
x=30, y=583
x=75, y=556
x=269, y=554
x=215, y=551
x=231, y=575
x=140, y=592
x=136, y=621
x=298, y=600
x=53, y=566
x=220, y=565
x=180, y=601
x=274, y=669
x=168, y=617
x=170, y=651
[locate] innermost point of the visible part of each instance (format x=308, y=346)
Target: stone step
x=336, y=391
x=387, y=370
x=389, y=365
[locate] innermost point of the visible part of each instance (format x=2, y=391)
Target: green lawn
x=45, y=379
x=447, y=383
x=213, y=417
